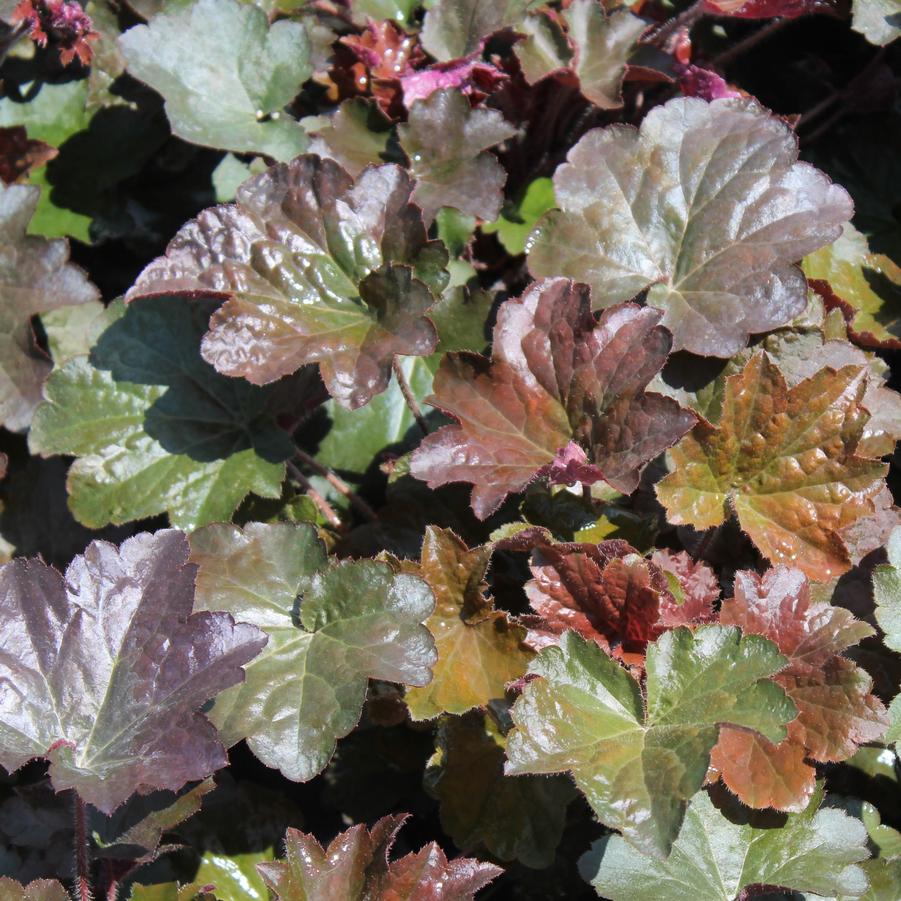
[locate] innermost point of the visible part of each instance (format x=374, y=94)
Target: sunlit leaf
x=355, y=867
x=556, y=375
x=313, y=268
x=110, y=669
x=707, y=206
x=718, y=856
x=35, y=277
x=233, y=100
x=330, y=630
x=784, y=459
x=639, y=761
x=155, y=428
x=480, y=649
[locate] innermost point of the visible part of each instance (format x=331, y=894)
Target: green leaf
x=225, y=73
x=330, y=630
x=235, y=875
x=637, y=762
x=155, y=428
x=447, y=140
x=685, y=207
x=356, y=135
x=514, y=817
x=455, y=28
x=515, y=225
x=716, y=857
x=866, y=287
x=602, y=45
x=887, y=592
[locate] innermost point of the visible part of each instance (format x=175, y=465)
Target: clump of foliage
x=446, y=450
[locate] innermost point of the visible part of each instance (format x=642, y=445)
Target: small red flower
x=63, y=22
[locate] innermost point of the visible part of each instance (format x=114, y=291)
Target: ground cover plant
x=448, y=449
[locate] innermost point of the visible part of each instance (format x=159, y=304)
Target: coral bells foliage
x=446, y=450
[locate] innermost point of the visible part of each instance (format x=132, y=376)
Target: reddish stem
x=409, y=398
x=324, y=507
x=337, y=483
x=82, y=853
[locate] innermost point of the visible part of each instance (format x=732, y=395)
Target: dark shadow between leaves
x=201, y=414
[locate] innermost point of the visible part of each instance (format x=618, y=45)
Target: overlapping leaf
x=233, y=98
x=836, y=710
x=784, y=460
x=314, y=268
x=447, y=143
x=109, y=669
x=330, y=630
x=155, y=428
x=639, y=761
x=35, y=277
x=866, y=286
x=39, y=890
x=556, y=375
x=707, y=205
x=718, y=857
x=602, y=44
x=693, y=586
x=355, y=866
x=606, y=592
x=454, y=28
x=514, y=817
x=480, y=649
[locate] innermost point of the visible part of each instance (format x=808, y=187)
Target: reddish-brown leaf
x=19, y=155
x=695, y=592
x=836, y=709
x=556, y=375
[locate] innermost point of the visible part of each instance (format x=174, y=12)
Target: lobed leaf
x=39, y=890
x=313, y=268
x=110, y=667
x=785, y=460
x=887, y=592
x=447, y=143
x=639, y=761
x=231, y=99
x=155, y=428
x=330, y=630
x=718, y=857
x=836, y=710
x=480, y=649
x=707, y=206
x=556, y=375
x=356, y=867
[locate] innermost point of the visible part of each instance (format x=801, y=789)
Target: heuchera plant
x=446, y=450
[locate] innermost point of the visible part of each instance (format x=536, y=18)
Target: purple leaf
x=103, y=671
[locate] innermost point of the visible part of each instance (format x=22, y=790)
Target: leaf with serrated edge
x=314, y=267
x=707, y=205
x=785, y=460
x=556, y=374
x=836, y=711
x=353, y=621
x=866, y=287
x=602, y=46
x=39, y=890
x=35, y=277
x=639, y=763
x=229, y=100
x=514, y=817
x=447, y=143
x=355, y=867
x=480, y=649
x=110, y=669
x=155, y=428
x=454, y=28
x=715, y=858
